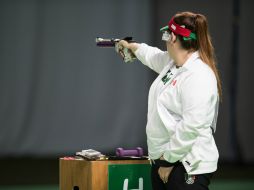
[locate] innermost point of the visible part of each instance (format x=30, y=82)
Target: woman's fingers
x=164, y=173
x=123, y=44
x=162, y=176
x=132, y=46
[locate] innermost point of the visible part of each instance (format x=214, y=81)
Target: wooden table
x=79, y=174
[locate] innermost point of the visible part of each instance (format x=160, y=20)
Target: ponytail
x=205, y=47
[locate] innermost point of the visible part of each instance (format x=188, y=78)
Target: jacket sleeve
x=198, y=97
x=153, y=57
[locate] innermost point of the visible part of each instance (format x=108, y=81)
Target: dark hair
x=198, y=24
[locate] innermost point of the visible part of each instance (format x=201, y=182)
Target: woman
x=182, y=105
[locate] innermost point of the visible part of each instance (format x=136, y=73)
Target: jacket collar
x=188, y=63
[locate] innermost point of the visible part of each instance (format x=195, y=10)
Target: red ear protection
x=178, y=29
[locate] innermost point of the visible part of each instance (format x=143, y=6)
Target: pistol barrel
x=101, y=42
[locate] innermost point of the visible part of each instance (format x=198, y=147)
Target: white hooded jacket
x=182, y=110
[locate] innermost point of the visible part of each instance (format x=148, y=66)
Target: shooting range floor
x=217, y=185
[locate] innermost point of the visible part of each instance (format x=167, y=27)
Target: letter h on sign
x=140, y=184
x=129, y=177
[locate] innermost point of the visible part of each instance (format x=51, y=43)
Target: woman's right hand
x=132, y=46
